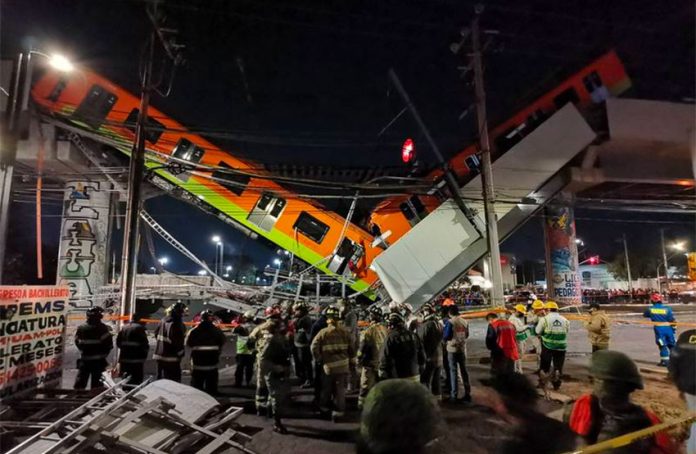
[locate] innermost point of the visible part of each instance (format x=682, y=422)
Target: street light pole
x=136, y=170
x=628, y=269
x=664, y=258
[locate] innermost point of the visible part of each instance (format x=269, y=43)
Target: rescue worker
x=553, y=329
x=608, y=411
x=538, y=311
x=94, y=341
x=501, y=341
x=274, y=367
x=682, y=370
x=205, y=341
x=368, y=354
x=333, y=347
x=455, y=334
x=430, y=333
x=664, y=327
x=598, y=327
x=402, y=355
x=318, y=325
x=399, y=416
x=521, y=333
x=133, y=348
x=245, y=354
x=169, y=349
x=257, y=340
x=303, y=329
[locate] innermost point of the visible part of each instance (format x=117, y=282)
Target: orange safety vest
x=582, y=417
x=448, y=302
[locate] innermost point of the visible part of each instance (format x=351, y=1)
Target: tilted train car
x=234, y=189
x=605, y=76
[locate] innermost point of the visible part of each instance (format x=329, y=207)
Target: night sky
x=314, y=88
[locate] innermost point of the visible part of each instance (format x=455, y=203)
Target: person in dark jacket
x=515, y=400
x=317, y=326
x=274, y=367
x=170, y=335
x=501, y=341
x=94, y=341
x=402, y=355
x=133, y=348
x=303, y=331
x=682, y=370
x=430, y=332
x=205, y=341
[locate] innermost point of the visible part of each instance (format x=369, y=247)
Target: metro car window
x=154, y=127
x=185, y=149
x=228, y=179
x=311, y=227
x=57, y=90
x=94, y=109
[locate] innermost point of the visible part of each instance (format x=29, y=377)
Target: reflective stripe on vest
x=172, y=359
x=194, y=367
x=131, y=361
x=93, y=357
x=89, y=342
x=162, y=338
x=130, y=344
x=205, y=348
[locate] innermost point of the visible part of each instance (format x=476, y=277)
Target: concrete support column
x=84, y=238
x=562, y=275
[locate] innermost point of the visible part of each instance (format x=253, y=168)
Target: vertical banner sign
x=691, y=261
x=561, y=255
x=32, y=334
x=82, y=257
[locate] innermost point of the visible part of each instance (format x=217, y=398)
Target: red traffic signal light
x=594, y=260
x=408, y=151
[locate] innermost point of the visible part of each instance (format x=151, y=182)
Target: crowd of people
x=394, y=351
x=636, y=295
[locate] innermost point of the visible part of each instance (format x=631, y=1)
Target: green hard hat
x=399, y=415
x=615, y=366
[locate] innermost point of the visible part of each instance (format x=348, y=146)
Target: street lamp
x=678, y=246
x=202, y=272
x=163, y=260
x=277, y=262
x=219, y=252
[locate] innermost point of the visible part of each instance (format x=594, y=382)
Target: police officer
x=274, y=368
x=430, y=333
x=608, y=411
x=402, y=355
x=333, y=347
x=553, y=329
x=257, y=339
x=303, y=330
x=169, y=349
x=205, y=341
x=133, y=348
x=245, y=354
x=368, y=354
x=664, y=327
x=94, y=341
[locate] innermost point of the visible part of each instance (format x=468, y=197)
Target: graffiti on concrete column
x=82, y=256
x=562, y=253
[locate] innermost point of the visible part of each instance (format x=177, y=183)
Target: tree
x=642, y=265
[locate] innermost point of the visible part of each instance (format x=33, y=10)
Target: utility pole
x=136, y=171
x=486, y=171
x=628, y=269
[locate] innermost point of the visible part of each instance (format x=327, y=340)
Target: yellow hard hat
x=551, y=305
x=521, y=308
x=537, y=304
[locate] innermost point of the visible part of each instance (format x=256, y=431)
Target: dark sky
x=317, y=83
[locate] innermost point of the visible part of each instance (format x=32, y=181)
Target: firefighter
x=598, y=327
x=333, y=347
x=368, y=355
x=682, y=370
x=303, y=329
x=608, y=411
x=205, y=341
x=553, y=329
x=245, y=354
x=133, y=348
x=402, y=355
x=257, y=339
x=664, y=327
x=430, y=333
x=274, y=368
x=170, y=335
x=521, y=333
x=94, y=341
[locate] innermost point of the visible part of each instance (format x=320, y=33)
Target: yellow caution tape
x=627, y=439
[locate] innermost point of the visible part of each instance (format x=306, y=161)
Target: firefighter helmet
x=207, y=315
x=249, y=314
x=428, y=309
x=333, y=313
x=395, y=320
x=376, y=313
x=615, y=366
x=176, y=308
x=655, y=297
x=95, y=312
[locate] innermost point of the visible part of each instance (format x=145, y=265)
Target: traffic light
x=408, y=151
x=594, y=260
